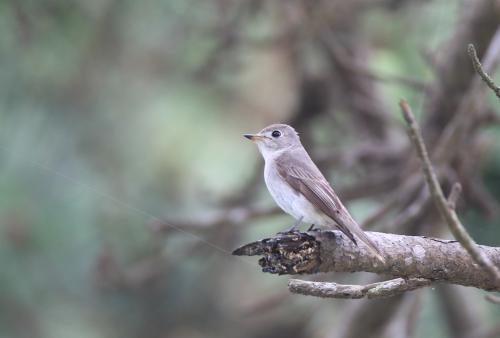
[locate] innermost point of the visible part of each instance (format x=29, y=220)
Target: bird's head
x=274, y=138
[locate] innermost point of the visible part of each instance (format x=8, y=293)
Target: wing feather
x=303, y=176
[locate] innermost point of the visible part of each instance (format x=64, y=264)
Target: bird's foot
x=294, y=228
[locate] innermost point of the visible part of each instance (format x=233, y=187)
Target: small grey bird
x=299, y=188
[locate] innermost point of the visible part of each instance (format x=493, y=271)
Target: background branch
x=479, y=69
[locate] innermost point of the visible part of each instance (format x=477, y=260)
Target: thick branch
x=371, y=291
x=448, y=213
x=406, y=257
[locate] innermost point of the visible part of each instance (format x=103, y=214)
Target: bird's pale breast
x=288, y=199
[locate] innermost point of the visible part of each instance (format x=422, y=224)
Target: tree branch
x=479, y=69
x=469, y=110
x=371, y=291
x=448, y=214
x=454, y=195
x=406, y=257
x=478, y=24
x=493, y=299
x=233, y=215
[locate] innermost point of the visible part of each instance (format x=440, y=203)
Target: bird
x=299, y=188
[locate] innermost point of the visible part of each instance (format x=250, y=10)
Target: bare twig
x=454, y=195
x=380, y=213
x=479, y=69
x=449, y=214
x=235, y=215
x=468, y=109
x=490, y=117
x=361, y=69
x=493, y=299
x=371, y=291
x=455, y=76
x=402, y=195
x=410, y=214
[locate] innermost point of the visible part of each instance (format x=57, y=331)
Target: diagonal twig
x=493, y=299
x=479, y=69
x=454, y=195
x=467, y=110
x=443, y=205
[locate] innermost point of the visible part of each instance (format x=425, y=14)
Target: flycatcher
x=299, y=188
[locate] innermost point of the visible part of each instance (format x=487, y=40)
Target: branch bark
x=406, y=257
x=371, y=291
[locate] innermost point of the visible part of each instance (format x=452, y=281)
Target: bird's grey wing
x=306, y=179
x=303, y=176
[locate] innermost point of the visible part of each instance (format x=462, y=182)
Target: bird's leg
x=311, y=227
x=294, y=226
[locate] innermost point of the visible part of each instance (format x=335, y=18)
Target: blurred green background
x=115, y=115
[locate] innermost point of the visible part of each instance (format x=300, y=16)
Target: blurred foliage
x=105, y=127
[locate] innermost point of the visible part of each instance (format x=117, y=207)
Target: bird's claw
x=291, y=230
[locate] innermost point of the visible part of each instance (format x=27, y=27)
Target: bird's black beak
x=251, y=137
x=255, y=137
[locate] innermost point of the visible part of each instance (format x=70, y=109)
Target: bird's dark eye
x=276, y=134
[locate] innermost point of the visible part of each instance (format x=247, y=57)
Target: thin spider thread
x=124, y=204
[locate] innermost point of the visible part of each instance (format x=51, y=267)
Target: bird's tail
x=355, y=229
x=371, y=245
